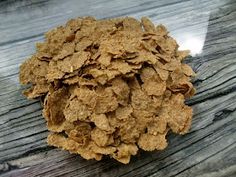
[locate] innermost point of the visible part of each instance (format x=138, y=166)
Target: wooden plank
x=23, y=150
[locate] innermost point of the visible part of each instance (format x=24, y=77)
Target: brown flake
x=150, y=142
x=148, y=25
x=53, y=108
x=101, y=121
x=106, y=101
x=76, y=110
x=101, y=137
x=124, y=151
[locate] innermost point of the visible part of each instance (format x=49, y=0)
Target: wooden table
x=207, y=27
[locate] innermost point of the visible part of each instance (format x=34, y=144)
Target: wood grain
x=208, y=150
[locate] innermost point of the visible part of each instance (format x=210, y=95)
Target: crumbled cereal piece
x=124, y=112
x=157, y=125
x=154, y=88
x=37, y=90
x=80, y=133
x=106, y=150
x=150, y=142
x=101, y=137
x=88, y=97
x=54, y=72
x=54, y=106
x=187, y=70
x=106, y=101
x=101, y=121
x=121, y=90
x=124, y=151
x=76, y=110
x=67, y=49
x=161, y=30
x=148, y=25
x=72, y=146
x=110, y=86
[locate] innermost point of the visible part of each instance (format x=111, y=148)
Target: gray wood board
x=209, y=149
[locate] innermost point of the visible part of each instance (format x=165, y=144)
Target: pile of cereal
x=110, y=87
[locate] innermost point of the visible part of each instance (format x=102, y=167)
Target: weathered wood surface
x=210, y=147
